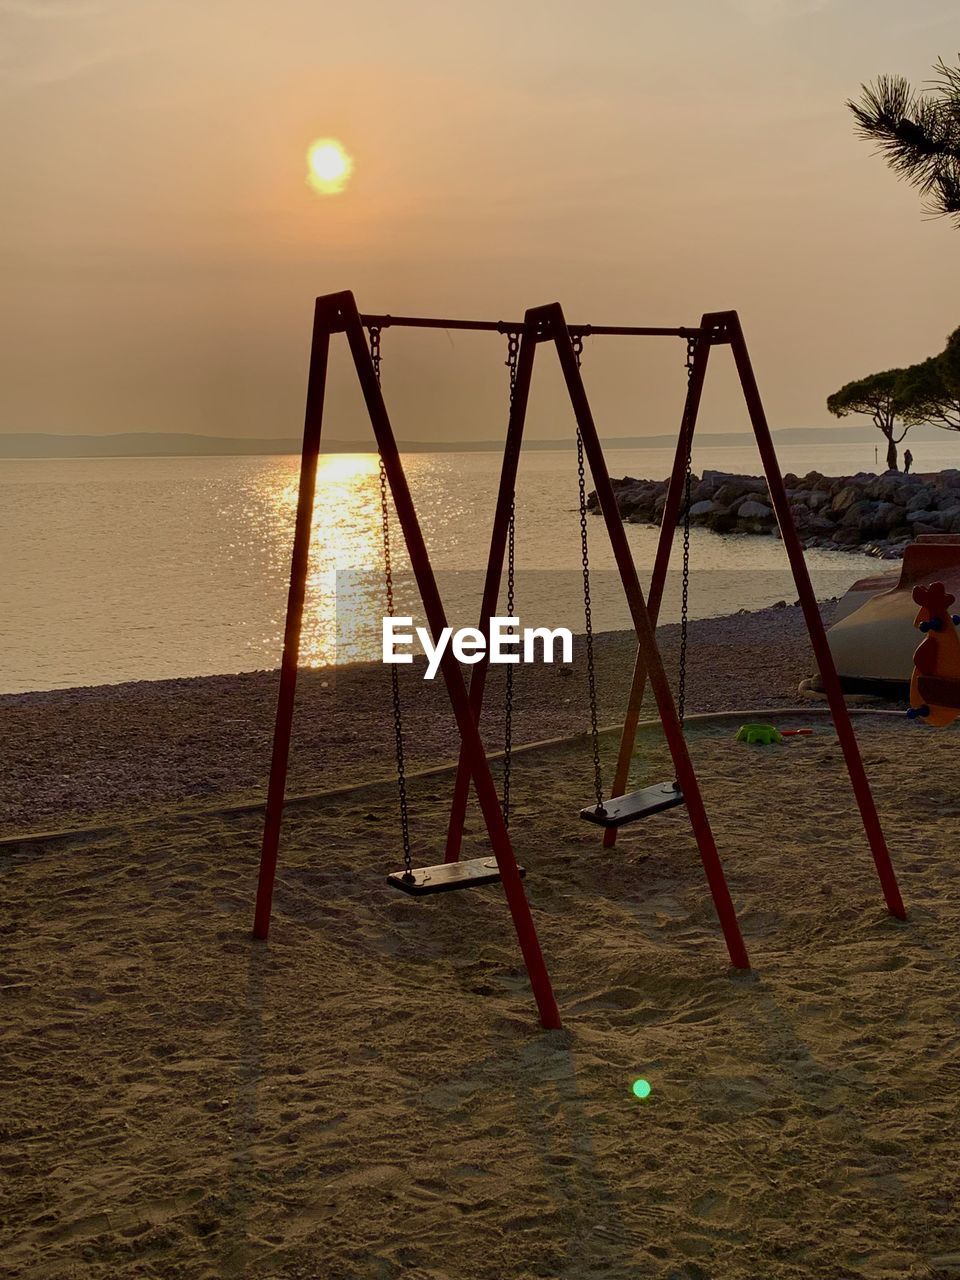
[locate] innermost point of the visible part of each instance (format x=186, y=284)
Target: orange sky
x=640, y=162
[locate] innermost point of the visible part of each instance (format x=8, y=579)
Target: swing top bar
x=516, y=326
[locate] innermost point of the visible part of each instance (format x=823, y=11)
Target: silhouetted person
x=907, y=461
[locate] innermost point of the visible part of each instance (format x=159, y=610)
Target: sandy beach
x=368, y=1095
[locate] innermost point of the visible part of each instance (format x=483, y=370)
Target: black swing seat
x=448, y=876
x=621, y=810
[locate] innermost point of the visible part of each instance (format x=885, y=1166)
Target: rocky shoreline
x=875, y=514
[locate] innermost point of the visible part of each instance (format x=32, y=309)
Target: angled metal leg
x=661, y=565
x=811, y=613
x=552, y=321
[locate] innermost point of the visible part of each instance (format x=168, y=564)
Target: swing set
x=338, y=313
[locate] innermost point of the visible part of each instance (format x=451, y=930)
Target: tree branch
x=917, y=133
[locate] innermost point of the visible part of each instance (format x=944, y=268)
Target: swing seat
x=448, y=876
x=621, y=810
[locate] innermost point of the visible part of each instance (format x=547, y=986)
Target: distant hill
x=162, y=444
x=136, y=444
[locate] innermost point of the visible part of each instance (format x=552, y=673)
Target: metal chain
x=577, y=342
x=685, y=588
x=375, y=332
x=394, y=677
x=513, y=352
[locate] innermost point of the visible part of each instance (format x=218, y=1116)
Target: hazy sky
x=640, y=160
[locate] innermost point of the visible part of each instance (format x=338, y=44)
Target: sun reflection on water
x=345, y=591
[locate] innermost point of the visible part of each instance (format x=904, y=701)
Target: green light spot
x=642, y=1088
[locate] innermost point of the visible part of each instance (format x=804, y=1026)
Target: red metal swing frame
x=338, y=313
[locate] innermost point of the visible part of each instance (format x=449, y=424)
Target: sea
x=124, y=569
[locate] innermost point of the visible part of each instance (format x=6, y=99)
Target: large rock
x=928, y=522
x=735, y=487
x=888, y=515
x=706, y=508
x=803, y=517
x=844, y=536
x=754, y=513
x=708, y=486
x=638, y=499
x=859, y=512
x=821, y=526
x=722, y=521
x=872, y=518
x=892, y=486
x=807, y=522
x=845, y=498
x=922, y=500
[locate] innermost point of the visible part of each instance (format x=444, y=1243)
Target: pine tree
x=918, y=132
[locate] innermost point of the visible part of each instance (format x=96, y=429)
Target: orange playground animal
x=935, y=687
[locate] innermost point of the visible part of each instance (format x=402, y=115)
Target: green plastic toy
x=764, y=735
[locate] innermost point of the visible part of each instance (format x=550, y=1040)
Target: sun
x=328, y=166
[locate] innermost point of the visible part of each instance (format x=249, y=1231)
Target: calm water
x=131, y=569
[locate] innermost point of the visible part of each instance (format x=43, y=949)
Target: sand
x=368, y=1095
